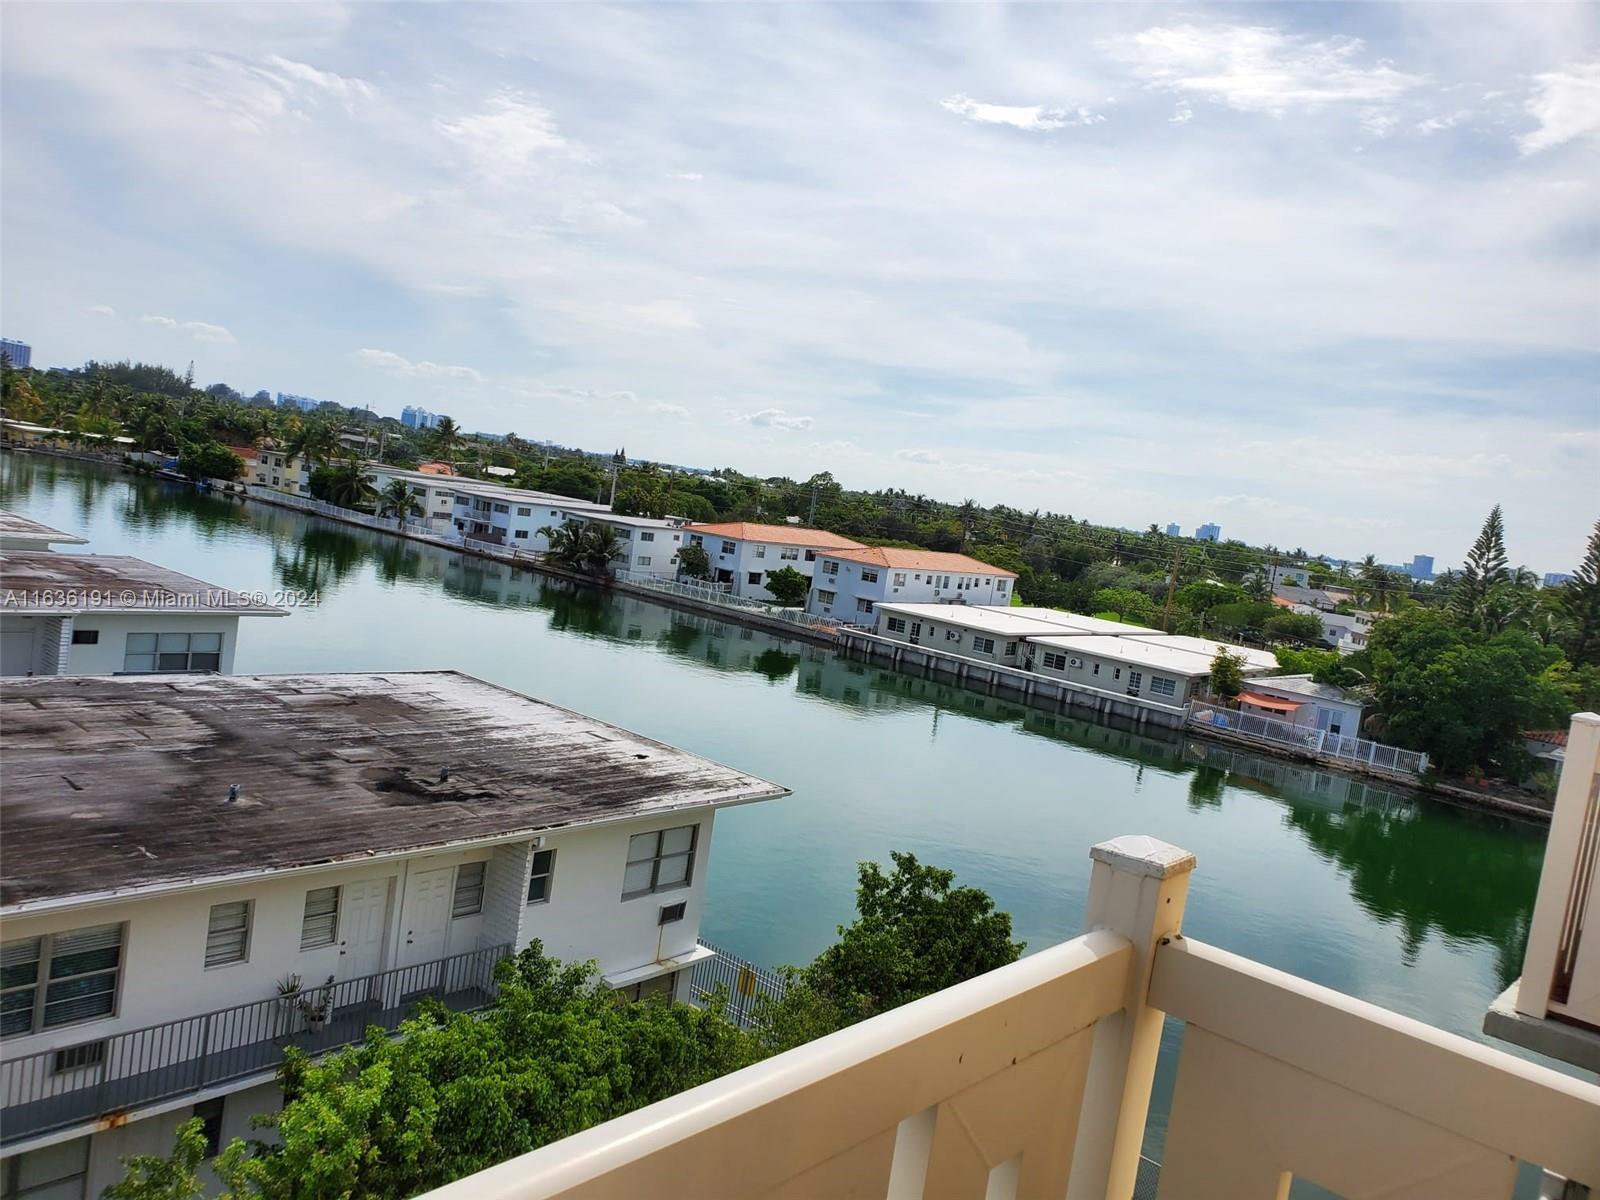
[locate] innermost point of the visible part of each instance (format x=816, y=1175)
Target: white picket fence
x=719, y=594
x=1311, y=741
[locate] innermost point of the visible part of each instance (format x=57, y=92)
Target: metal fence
x=719, y=594
x=69, y=1085
x=1309, y=740
x=742, y=982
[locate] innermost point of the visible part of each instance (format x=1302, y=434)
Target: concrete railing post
x=1138, y=888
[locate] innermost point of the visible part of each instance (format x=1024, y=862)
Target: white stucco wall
x=107, y=655
x=844, y=578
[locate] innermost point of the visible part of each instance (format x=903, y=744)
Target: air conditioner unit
x=1075, y=662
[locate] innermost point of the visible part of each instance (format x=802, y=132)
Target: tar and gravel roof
x=111, y=784
x=16, y=527
x=1156, y=653
x=39, y=583
x=1304, y=685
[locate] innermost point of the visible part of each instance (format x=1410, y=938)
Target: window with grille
x=59, y=979
x=824, y=596
x=983, y=645
x=863, y=605
x=228, y=933
x=646, y=535
x=147, y=652
x=659, y=862
x=469, y=890
x=543, y=875
x=896, y=625
x=319, y=924
x=672, y=912
x=85, y=637
x=1054, y=661
x=1160, y=686
x=868, y=576
x=75, y=1058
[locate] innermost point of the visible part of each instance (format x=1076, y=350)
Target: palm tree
x=315, y=441
x=346, y=483
x=401, y=500
x=587, y=549
x=446, y=438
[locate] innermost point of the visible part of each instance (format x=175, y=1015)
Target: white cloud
x=1258, y=69
x=257, y=92
x=101, y=310
x=773, y=418
x=1182, y=113
x=666, y=314
x=675, y=411
x=1032, y=117
x=1379, y=122
x=506, y=137
x=687, y=176
x=395, y=364
x=929, y=457
x=201, y=331
x=1566, y=103
x=1437, y=124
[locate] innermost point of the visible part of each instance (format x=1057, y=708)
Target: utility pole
x=1172, y=588
x=812, y=518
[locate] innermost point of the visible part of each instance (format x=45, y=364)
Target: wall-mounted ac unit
x=1075, y=662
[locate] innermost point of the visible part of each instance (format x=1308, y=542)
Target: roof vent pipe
x=233, y=792
x=444, y=774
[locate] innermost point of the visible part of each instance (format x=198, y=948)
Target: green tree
x=316, y=441
x=209, y=460
x=788, y=586
x=1462, y=697
x=1129, y=605
x=694, y=562
x=401, y=500
x=914, y=933
x=1485, y=567
x=446, y=439
x=589, y=549
x=151, y=1177
x=343, y=483
x=1292, y=627
x=1580, y=601
x=1227, y=674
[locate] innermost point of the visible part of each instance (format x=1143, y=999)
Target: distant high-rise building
x=413, y=417
x=1208, y=533
x=1174, y=529
x=18, y=354
x=1421, y=568
x=1557, y=578
x=290, y=400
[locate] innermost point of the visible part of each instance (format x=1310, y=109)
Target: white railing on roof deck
x=1309, y=739
x=1034, y=1080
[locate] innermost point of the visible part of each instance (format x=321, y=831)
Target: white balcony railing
x=1034, y=1080
x=1555, y=1007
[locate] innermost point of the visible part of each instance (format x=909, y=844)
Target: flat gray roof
x=39, y=583
x=988, y=618
x=15, y=525
x=115, y=784
x=1078, y=621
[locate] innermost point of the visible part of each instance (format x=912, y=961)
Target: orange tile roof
x=436, y=468
x=786, y=535
x=247, y=453
x=1551, y=737
x=1283, y=602
x=922, y=560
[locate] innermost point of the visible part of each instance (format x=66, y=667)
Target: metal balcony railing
x=87, y=1079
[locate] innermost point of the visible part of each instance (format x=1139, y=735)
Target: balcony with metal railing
x=1035, y=1080
x=120, y=1073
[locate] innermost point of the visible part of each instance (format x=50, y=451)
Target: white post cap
x=1141, y=854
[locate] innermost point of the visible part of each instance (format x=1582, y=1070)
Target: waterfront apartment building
x=1298, y=700
x=490, y=512
x=99, y=614
x=989, y=634
x=1153, y=669
x=744, y=553
x=288, y=860
x=18, y=532
x=268, y=466
x=18, y=354
x=850, y=584
x=436, y=494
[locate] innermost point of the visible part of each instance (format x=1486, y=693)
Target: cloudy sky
x=1325, y=274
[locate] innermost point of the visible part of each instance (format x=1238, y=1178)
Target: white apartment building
x=850, y=584
x=436, y=494
x=650, y=545
x=1155, y=669
x=489, y=512
x=744, y=553
x=267, y=863
x=18, y=532
x=101, y=614
x=990, y=634
x=1344, y=632
x=1256, y=662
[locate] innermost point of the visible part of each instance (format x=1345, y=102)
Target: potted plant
x=288, y=1002
x=313, y=1006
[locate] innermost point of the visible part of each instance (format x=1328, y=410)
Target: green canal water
x=1418, y=906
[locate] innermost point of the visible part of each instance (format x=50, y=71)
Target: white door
x=363, y=924
x=425, y=915
x=16, y=649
